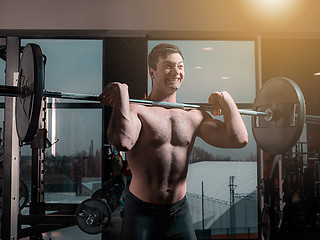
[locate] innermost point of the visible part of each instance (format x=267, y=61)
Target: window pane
x=73, y=162
x=72, y=65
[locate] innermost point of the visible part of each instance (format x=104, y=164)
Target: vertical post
x=281, y=193
x=232, y=212
x=11, y=147
x=202, y=206
x=260, y=180
x=38, y=146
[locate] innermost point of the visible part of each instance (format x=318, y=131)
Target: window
x=74, y=127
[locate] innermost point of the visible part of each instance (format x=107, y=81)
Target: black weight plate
x=31, y=76
x=285, y=98
x=97, y=194
x=93, y=207
x=111, y=199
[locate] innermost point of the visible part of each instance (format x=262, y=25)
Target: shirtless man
x=159, y=141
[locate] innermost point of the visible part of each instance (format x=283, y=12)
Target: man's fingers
x=214, y=101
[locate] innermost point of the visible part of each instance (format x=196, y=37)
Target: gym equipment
x=280, y=131
x=278, y=112
x=110, y=192
x=93, y=216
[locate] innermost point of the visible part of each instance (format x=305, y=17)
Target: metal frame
x=11, y=167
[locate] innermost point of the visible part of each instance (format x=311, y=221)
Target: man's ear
x=151, y=73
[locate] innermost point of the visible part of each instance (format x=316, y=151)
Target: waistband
x=155, y=208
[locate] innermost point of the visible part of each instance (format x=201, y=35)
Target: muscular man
x=159, y=141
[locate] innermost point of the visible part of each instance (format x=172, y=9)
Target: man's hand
x=112, y=93
x=215, y=100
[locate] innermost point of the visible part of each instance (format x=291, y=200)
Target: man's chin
x=175, y=86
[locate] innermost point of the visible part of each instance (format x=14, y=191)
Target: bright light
x=198, y=67
x=207, y=48
x=273, y=4
x=273, y=13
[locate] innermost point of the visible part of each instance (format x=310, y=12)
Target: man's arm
x=124, y=126
x=232, y=132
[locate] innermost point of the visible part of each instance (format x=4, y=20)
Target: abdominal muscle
x=159, y=178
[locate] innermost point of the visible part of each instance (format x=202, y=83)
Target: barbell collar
x=312, y=119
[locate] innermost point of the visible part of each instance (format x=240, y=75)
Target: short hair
x=161, y=50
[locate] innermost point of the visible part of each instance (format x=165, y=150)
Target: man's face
x=170, y=72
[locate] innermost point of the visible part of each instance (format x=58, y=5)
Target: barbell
x=278, y=113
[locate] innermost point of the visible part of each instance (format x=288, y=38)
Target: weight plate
x=93, y=216
x=31, y=76
x=111, y=199
x=97, y=194
x=285, y=99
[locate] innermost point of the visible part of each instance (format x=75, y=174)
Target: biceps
x=213, y=132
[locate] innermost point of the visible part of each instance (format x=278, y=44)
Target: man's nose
x=176, y=70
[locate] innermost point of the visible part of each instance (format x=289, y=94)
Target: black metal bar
x=66, y=207
x=11, y=91
x=44, y=223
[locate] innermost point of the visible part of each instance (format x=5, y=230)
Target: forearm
x=122, y=129
x=120, y=133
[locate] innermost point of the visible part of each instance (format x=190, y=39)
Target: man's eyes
x=172, y=66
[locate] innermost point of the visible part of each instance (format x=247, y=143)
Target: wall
x=299, y=16
x=297, y=59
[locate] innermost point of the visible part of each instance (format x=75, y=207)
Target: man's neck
x=153, y=96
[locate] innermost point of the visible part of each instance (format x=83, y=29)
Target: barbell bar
x=278, y=113
x=200, y=106
x=13, y=91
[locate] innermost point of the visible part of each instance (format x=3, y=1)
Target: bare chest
x=161, y=126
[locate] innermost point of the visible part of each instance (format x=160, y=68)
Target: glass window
x=73, y=161
x=72, y=65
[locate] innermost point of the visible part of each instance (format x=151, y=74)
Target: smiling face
x=169, y=73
